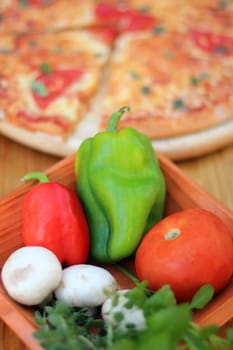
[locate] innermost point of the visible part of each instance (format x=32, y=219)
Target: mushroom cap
x=85, y=285
x=30, y=274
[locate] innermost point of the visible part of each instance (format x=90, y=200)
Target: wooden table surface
x=213, y=171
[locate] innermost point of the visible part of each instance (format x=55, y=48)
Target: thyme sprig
x=169, y=325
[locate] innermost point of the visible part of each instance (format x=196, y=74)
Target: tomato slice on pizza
x=212, y=43
x=124, y=19
x=51, y=99
x=105, y=35
x=52, y=84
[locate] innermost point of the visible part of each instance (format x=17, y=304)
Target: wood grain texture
x=17, y=160
x=212, y=172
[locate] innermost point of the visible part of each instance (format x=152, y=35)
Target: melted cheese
x=2, y=114
x=165, y=86
x=68, y=43
x=67, y=105
x=59, y=14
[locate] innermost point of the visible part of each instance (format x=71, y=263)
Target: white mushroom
x=30, y=274
x=85, y=285
x=116, y=311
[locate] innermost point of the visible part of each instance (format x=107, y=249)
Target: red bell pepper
x=53, y=217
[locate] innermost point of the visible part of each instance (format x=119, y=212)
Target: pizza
x=47, y=84
x=171, y=61
x=176, y=86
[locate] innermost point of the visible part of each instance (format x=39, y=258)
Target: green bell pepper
x=121, y=187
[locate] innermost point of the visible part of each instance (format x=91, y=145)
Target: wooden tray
x=181, y=193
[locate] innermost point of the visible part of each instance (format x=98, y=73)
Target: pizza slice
x=44, y=15
x=173, y=85
x=183, y=15
x=52, y=15
x=95, y=43
x=123, y=17
x=51, y=86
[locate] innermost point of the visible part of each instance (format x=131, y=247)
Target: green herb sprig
x=169, y=325
x=46, y=68
x=39, y=88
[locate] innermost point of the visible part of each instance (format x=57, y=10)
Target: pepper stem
x=36, y=175
x=115, y=117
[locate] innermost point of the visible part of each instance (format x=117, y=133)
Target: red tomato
x=186, y=250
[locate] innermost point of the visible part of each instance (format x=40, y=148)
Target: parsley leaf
x=39, y=88
x=32, y=42
x=5, y=51
x=168, y=54
x=23, y=3
x=168, y=325
x=223, y=4
x=202, y=297
x=160, y=29
x=134, y=75
x=145, y=90
x=196, y=79
x=221, y=49
x=46, y=68
x=144, y=9
x=178, y=104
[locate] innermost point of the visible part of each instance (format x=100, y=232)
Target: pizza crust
x=196, y=144
x=176, y=148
